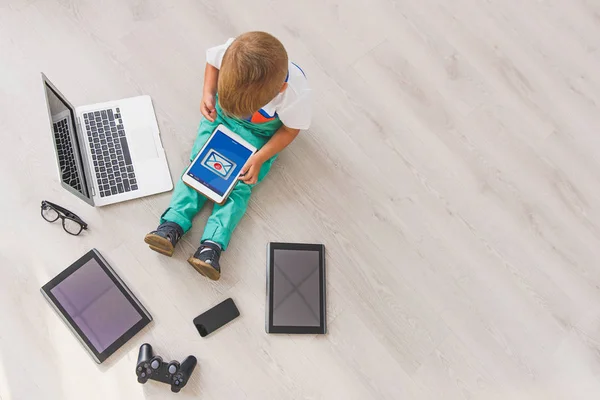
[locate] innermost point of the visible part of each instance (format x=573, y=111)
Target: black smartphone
x=216, y=317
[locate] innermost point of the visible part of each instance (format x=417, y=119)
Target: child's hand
x=251, y=170
x=207, y=107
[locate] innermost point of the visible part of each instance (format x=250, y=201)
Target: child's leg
x=185, y=201
x=225, y=218
x=185, y=204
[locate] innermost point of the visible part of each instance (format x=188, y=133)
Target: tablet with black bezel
x=96, y=305
x=295, y=288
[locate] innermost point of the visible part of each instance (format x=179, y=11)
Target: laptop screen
x=68, y=149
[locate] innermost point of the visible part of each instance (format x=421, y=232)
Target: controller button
x=176, y=383
x=143, y=374
x=172, y=369
x=146, y=365
x=139, y=368
x=155, y=364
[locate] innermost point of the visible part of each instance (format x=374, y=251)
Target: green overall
x=186, y=202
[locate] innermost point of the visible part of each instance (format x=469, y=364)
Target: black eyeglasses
x=71, y=223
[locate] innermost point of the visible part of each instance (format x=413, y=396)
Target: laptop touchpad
x=142, y=143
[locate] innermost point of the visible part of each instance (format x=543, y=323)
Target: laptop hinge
x=81, y=132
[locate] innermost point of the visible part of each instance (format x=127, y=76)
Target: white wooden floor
x=452, y=171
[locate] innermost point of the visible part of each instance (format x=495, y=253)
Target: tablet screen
x=296, y=288
x=219, y=163
x=96, y=305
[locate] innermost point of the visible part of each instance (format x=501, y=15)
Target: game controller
x=153, y=367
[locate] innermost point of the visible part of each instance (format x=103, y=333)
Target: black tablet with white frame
x=296, y=288
x=96, y=305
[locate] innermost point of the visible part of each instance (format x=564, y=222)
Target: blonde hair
x=252, y=73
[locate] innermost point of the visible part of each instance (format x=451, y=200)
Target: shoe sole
x=204, y=269
x=159, y=244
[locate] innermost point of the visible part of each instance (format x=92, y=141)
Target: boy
x=251, y=87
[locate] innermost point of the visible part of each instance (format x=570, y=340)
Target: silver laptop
x=107, y=152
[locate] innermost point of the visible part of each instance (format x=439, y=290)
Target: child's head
x=252, y=73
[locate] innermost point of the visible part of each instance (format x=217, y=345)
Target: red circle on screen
x=218, y=166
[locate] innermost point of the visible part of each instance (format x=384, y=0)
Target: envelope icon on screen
x=218, y=164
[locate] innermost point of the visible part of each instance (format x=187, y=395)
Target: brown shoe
x=206, y=260
x=164, y=238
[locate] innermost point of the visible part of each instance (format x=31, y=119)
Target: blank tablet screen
x=96, y=305
x=296, y=288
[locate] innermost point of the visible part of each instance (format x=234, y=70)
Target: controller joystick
x=153, y=367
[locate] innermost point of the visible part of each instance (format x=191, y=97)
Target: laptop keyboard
x=66, y=156
x=110, y=152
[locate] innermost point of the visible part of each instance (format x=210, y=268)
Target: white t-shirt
x=293, y=106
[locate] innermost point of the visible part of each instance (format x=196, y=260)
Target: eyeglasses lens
x=49, y=214
x=71, y=226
